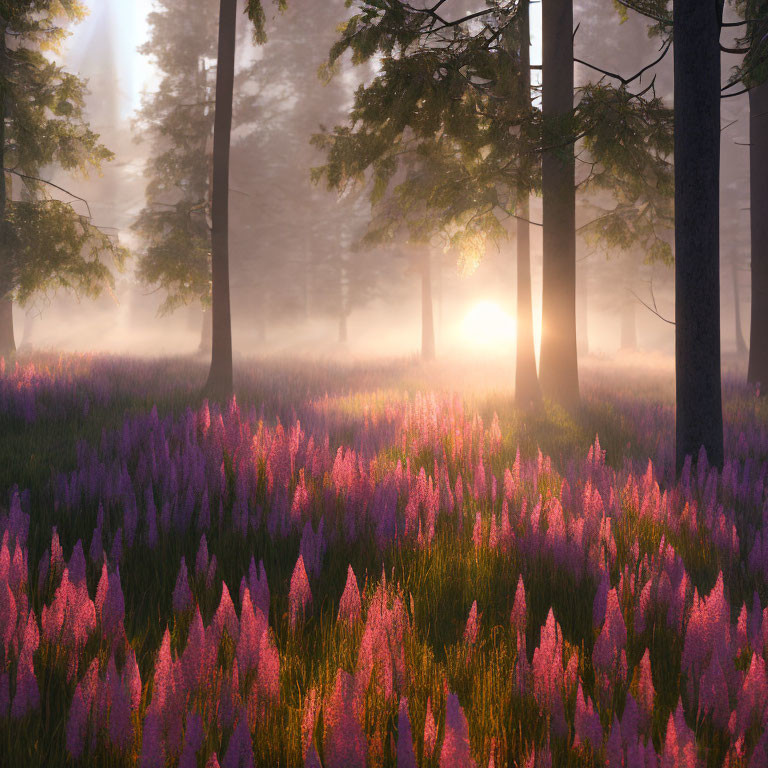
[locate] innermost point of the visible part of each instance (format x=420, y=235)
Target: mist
x=304, y=233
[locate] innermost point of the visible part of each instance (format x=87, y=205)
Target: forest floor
x=374, y=564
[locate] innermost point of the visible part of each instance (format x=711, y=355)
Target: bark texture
x=758, y=165
x=220, y=378
x=697, y=248
x=7, y=340
x=527, y=389
x=558, y=370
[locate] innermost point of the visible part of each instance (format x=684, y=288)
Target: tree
x=527, y=388
x=46, y=245
x=220, y=382
x=758, y=162
x=753, y=75
x=559, y=359
x=178, y=120
x=699, y=421
x=449, y=93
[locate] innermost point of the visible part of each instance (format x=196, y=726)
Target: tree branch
x=51, y=184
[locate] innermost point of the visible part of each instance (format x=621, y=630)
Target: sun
x=489, y=327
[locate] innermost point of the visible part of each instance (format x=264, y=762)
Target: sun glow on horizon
x=488, y=327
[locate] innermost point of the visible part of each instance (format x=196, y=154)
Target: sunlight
x=489, y=327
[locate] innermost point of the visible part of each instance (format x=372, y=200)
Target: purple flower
x=586, y=722
x=201, y=561
x=5, y=694
x=120, y=725
x=193, y=741
x=239, y=752
x=312, y=760
x=406, y=758
x=152, y=750
x=455, y=752
x=182, y=595
x=113, y=611
x=27, y=697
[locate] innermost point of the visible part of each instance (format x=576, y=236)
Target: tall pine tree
x=45, y=243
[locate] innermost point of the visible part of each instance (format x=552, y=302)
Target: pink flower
x=613, y=636
x=132, y=678
x=679, y=744
x=309, y=719
x=477, y=532
x=473, y=626
x=406, y=758
x=182, y=595
x=345, y=744
x=349, y=605
x=225, y=616
x=299, y=595
x=518, y=616
x=430, y=731
x=252, y=627
x=645, y=691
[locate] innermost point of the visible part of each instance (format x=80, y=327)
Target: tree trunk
x=559, y=372
x=427, y=318
x=697, y=250
x=741, y=344
x=7, y=341
x=758, y=162
x=220, y=378
x=343, y=334
x=527, y=389
x=206, y=341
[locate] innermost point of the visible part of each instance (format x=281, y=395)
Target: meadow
x=374, y=564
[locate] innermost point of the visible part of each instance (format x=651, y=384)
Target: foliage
x=178, y=120
x=46, y=243
x=448, y=133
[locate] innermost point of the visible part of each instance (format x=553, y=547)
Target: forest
x=384, y=383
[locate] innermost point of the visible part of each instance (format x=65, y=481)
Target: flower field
x=373, y=566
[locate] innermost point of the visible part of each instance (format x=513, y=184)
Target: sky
x=135, y=72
